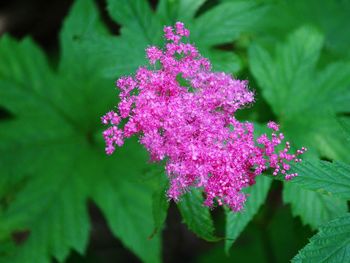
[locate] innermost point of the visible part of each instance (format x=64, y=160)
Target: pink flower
x=184, y=114
x=273, y=125
x=153, y=54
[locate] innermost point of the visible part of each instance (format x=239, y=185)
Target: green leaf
x=128, y=208
x=137, y=18
x=283, y=17
x=332, y=179
x=50, y=152
x=62, y=224
x=224, y=61
x=225, y=22
x=182, y=10
x=313, y=208
x=78, y=62
x=160, y=204
x=287, y=73
x=142, y=27
x=306, y=102
x=328, y=182
x=25, y=81
x=82, y=23
x=330, y=244
x=236, y=222
x=345, y=123
x=197, y=216
x=52, y=208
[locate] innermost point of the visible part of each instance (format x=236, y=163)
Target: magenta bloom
x=184, y=114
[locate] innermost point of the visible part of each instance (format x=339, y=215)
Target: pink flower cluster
x=183, y=114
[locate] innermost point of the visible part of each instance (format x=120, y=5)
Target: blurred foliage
x=295, y=55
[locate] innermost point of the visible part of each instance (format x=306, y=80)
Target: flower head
x=184, y=114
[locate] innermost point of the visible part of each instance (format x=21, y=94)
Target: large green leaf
x=332, y=179
x=329, y=17
x=137, y=18
x=236, y=222
x=160, y=204
x=82, y=22
x=196, y=215
x=128, y=208
x=306, y=102
x=142, y=27
x=55, y=216
x=313, y=208
x=225, y=22
x=50, y=151
x=330, y=244
x=328, y=182
x=170, y=11
x=25, y=80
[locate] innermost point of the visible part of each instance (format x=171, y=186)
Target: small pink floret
x=153, y=54
x=273, y=125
